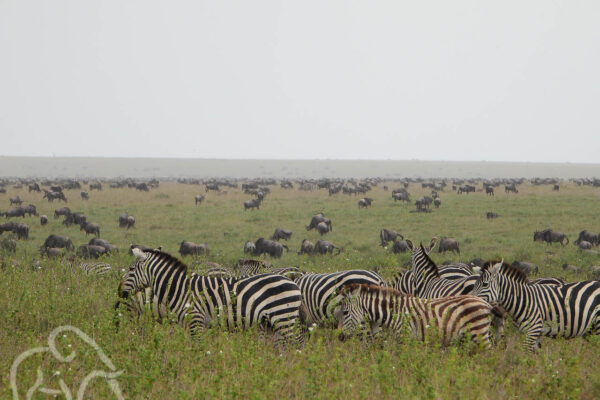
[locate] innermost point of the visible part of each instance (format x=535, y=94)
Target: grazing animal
x=43, y=220
x=588, y=237
x=510, y=188
x=281, y=234
x=75, y=218
x=568, y=310
x=525, y=267
x=190, y=248
x=455, y=317
x=447, y=244
x=437, y=202
x=549, y=236
x=324, y=247
x=491, y=215
x=8, y=245
x=90, y=251
x=265, y=300
x=317, y=219
x=89, y=227
x=306, y=247
x=199, y=199
x=252, y=204
x=365, y=202
x=104, y=243
x=16, y=200
x=322, y=228
x=140, y=247
x=489, y=190
x=585, y=245
x=388, y=235
x=270, y=247
x=321, y=297
x=59, y=242
x=85, y=195
x=399, y=246
x=64, y=211
x=249, y=247
x=247, y=266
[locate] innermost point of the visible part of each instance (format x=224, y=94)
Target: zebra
x=247, y=266
x=320, y=293
x=404, y=280
x=383, y=307
x=98, y=268
x=200, y=301
x=568, y=310
x=428, y=283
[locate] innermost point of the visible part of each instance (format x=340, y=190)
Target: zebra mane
x=510, y=270
x=173, y=261
x=430, y=261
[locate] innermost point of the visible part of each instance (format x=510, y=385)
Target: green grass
x=161, y=361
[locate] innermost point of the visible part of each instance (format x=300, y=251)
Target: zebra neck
x=514, y=296
x=424, y=270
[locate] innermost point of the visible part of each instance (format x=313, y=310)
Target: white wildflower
x=298, y=351
x=310, y=329
x=314, y=324
x=120, y=315
x=187, y=305
x=208, y=353
x=221, y=352
x=64, y=336
x=69, y=346
x=56, y=373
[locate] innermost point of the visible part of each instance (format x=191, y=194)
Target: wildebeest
x=8, y=245
x=281, y=234
x=96, y=185
x=51, y=252
x=64, y=211
x=123, y=220
x=365, y=202
x=249, y=247
x=104, y=243
x=14, y=212
x=252, y=204
x=324, y=247
x=84, y=195
x=193, y=249
x=306, y=247
x=30, y=209
x=211, y=186
x=35, y=187
x=90, y=251
x=199, y=198
x=570, y=268
x=466, y=189
x=448, y=244
x=43, y=220
x=595, y=271
x=510, y=188
x=403, y=196
x=556, y=187
x=491, y=215
x=527, y=267
x=437, y=202
x=51, y=196
x=22, y=231
x=317, y=219
x=588, y=237
x=585, y=245
x=388, y=235
x=130, y=222
x=16, y=200
x=89, y=227
x=550, y=236
x=58, y=241
x=399, y=246
x=322, y=228
x=270, y=247
x=489, y=190
x=75, y=218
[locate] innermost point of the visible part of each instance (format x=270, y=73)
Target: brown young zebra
x=384, y=307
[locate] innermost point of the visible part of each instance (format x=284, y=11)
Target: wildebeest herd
x=479, y=293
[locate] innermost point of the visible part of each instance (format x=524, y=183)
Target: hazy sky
x=451, y=80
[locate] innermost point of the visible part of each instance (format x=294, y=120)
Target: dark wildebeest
x=448, y=244
x=199, y=198
x=322, y=228
x=130, y=222
x=281, y=234
x=556, y=187
x=400, y=246
x=34, y=187
x=58, y=241
x=8, y=245
x=249, y=247
x=388, y=235
x=550, y=236
x=85, y=195
x=585, y=245
x=511, y=188
x=51, y=252
x=307, y=247
x=270, y=247
x=104, y=243
x=192, y=248
x=403, y=196
x=588, y=237
x=14, y=212
x=30, y=209
x=43, y=220
x=7, y=227
x=491, y=215
x=365, y=202
x=90, y=251
x=96, y=185
x=16, y=200
x=51, y=196
x=89, y=227
x=211, y=186
x=437, y=202
x=74, y=218
x=252, y=204
x=64, y=211
x=570, y=268
x=527, y=267
x=123, y=220
x=318, y=219
x=489, y=190
x=324, y=247
x=22, y=231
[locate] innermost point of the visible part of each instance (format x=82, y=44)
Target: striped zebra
x=381, y=307
x=98, y=268
x=568, y=310
x=247, y=266
x=202, y=301
x=428, y=283
x=321, y=297
x=404, y=280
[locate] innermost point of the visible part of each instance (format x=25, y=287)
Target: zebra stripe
x=201, y=301
x=404, y=280
x=95, y=268
x=428, y=283
x=246, y=267
x=568, y=310
x=382, y=307
x=320, y=293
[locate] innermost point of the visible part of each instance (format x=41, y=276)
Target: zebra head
x=353, y=314
x=136, y=278
x=488, y=286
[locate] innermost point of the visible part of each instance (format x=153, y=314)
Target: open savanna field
x=161, y=361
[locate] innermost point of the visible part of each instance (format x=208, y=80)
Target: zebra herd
x=461, y=301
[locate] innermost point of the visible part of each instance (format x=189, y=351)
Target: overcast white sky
x=431, y=80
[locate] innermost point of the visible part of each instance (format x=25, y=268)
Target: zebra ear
x=432, y=244
x=138, y=253
x=410, y=244
x=496, y=267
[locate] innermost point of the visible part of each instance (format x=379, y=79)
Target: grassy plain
x=161, y=361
